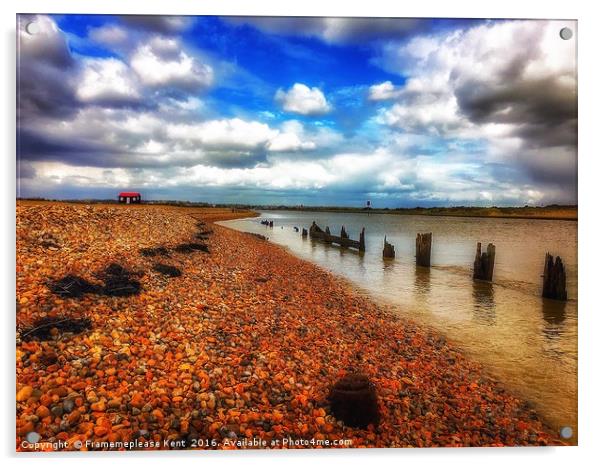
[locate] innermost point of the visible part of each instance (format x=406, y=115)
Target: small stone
x=33, y=437
x=42, y=412
x=57, y=411
x=24, y=393
x=68, y=405
x=115, y=403
x=100, y=406
x=137, y=401
x=25, y=428
x=73, y=417
x=100, y=431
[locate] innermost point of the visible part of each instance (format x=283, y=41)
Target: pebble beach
x=151, y=327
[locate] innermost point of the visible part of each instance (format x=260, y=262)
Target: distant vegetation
x=553, y=212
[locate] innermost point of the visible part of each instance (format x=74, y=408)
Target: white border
x=590, y=79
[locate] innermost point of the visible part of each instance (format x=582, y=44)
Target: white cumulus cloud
x=383, y=91
x=162, y=62
x=303, y=100
x=106, y=80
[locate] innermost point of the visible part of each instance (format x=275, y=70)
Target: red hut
x=129, y=197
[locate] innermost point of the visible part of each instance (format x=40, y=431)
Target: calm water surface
x=528, y=342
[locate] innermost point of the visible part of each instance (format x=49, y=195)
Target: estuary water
x=527, y=342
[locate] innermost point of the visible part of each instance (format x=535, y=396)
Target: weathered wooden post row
x=316, y=232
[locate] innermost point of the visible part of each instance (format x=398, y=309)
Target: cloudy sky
x=315, y=111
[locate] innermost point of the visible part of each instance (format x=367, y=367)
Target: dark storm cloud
x=337, y=30
x=46, y=44
x=35, y=146
x=44, y=91
x=234, y=158
x=44, y=71
x=544, y=109
x=91, y=152
x=158, y=23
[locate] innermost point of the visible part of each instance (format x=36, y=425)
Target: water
x=527, y=342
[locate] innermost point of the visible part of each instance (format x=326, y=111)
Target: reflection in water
x=422, y=281
x=554, y=314
x=483, y=296
x=388, y=264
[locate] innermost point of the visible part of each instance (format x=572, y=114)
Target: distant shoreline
x=552, y=212
x=568, y=213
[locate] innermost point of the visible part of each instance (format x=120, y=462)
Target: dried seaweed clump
x=187, y=248
x=72, y=286
x=152, y=252
x=168, y=270
x=47, y=327
x=119, y=281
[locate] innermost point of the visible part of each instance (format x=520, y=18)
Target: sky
x=289, y=111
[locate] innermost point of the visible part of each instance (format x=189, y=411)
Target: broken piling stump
x=423, y=249
x=354, y=401
x=483, y=263
x=344, y=233
x=362, y=245
x=388, y=250
x=304, y=233
x=554, y=279
x=327, y=235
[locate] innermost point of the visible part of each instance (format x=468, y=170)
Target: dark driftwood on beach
x=554, y=279
x=423, y=249
x=388, y=250
x=316, y=232
x=483, y=263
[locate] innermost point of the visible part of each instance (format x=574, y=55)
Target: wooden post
x=327, y=239
x=423, y=249
x=483, y=263
x=362, y=240
x=304, y=233
x=344, y=233
x=388, y=250
x=554, y=279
